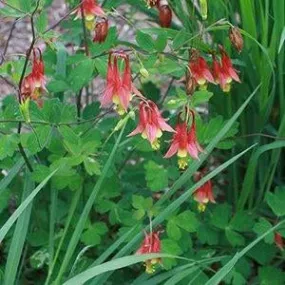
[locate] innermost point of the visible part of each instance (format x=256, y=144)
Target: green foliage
x=78, y=196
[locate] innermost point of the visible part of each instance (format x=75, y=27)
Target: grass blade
x=19, y=236
x=114, y=265
x=220, y=275
x=249, y=180
x=10, y=222
x=12, y=173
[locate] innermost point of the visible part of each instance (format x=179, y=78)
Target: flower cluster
x=34, y=83
x=150, y=244
x=222, y=73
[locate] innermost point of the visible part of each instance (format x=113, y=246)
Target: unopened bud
x=144, y=72
x=165, y=16
x=101, y=31
x=190, y=84
x=236, y=38
x=204, y=9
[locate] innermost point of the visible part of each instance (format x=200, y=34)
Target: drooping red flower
x=228, y=71
x=204, y=194
x=184, y=143
x=91, y=9
x=151, y=123
x=119, y=86
x=34, y=83
x=200, y=70
x=219, y=75
x=165, y=16
x=279, y=241
x=150, y=244
x=101, y=31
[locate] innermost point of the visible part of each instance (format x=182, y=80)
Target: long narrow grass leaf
x=19, y=236
x=10, y=222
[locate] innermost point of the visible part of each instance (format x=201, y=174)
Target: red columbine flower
x=91, y=9
x=204, y=194
x=119, y=86
x=101, y=31
x=150, y=244
x=219, y=75
x=165, y=16
x=184, y=142
x=151, y=124
x=227, y=70
x=34, y=83
x=279, y=241
x=200, y=70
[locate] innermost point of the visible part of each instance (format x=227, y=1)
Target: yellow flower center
x=201, y=207
x=156, y=144
x=182, y=163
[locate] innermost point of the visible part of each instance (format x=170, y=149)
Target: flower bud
x=236, y=38
x=190, y=84
x=204, y=9
x=165, y=16
x=144, y=72
x=101, y=31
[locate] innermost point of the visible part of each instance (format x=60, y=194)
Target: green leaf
x=92, y=166
x=156, y=176
x=57, y=86
x=81, y=74
x=263, y=226
x=276, y=201
x=173, y=230
x=270, y=275
x=179, y=39
x=187, y=221
x=234, y=238
x=242, y=222
x=207, y=235
x=13, y=218
x=145, y=41
x=161, y=42
x=92, y=236
x=8, y=145
x=170, y=246
x=221, y=216
x=41, y=22
x=200, y=97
